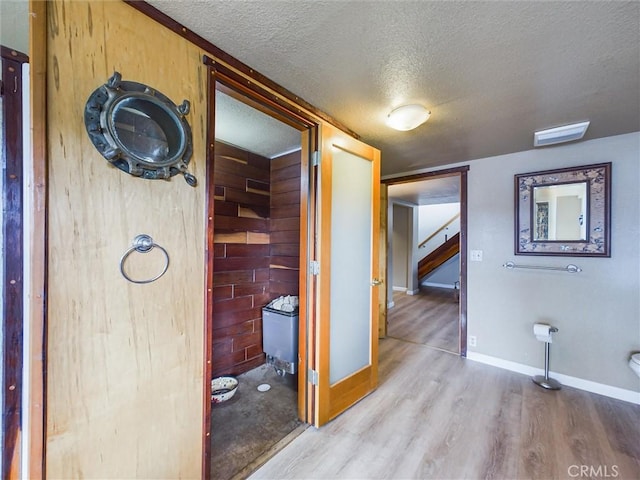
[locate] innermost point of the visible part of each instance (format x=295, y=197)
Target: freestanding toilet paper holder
x=545, y=381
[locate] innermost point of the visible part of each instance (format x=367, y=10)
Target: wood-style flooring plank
x=430, y=317
x=438, y=415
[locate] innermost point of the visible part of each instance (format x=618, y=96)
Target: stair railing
x=449, y=222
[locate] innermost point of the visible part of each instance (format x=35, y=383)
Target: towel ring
x=142, y=244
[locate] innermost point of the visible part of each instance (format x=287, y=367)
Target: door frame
x=257, y=97
x=13, y=258
x=34, y=420
x=461, y=172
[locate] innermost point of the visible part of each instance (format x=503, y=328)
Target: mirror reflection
x=565, y=212
x=137, y=130
x=560, y=212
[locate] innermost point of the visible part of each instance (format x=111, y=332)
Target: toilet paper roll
x=542, y=332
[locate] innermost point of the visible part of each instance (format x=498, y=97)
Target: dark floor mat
x=252, y=422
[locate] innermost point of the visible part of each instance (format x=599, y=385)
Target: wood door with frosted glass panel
x=347, y=307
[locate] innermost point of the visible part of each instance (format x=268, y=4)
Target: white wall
x=14, y=24
x=446, y=275
x=597, y=311
x=433, y=217
x=399, y=245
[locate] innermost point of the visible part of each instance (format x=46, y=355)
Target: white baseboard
x=439, y=285
x=399, y=289
x=391, y=304
x=593, y=387
x=413, y=292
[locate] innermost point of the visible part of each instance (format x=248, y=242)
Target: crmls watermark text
x=593, y=471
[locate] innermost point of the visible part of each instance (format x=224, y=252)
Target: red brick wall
x=256, y=235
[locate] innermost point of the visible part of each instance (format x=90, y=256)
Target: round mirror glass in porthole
x=142, y=128
x=139, y=130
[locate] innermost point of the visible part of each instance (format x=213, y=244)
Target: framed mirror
x=564, y=212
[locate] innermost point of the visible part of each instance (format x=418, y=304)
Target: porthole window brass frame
x=155, y=144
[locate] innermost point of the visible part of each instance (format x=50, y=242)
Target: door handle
x=375, y=282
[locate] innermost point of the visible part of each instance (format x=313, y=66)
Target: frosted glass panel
x=351, y=224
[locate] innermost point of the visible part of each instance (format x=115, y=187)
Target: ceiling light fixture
x=566, y=133
x=408, y=117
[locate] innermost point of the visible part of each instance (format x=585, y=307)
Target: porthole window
x=139, y=130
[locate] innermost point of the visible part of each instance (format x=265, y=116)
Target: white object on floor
x=223, y=388
x=264, y=387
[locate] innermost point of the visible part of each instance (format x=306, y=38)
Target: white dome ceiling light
x=408, y=117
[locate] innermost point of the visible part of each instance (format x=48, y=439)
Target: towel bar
x=571, y=268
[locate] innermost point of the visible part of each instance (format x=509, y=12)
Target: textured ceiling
x=491, y=72
x=427, y=192
x=266, y=136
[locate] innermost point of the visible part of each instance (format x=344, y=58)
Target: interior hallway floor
x=437, y=415
x=248, y=428
x=430, y=317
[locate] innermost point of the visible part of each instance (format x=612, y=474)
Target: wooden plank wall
x=257, y=249
x=241, y=263
x=124, y=361
x=285, y=225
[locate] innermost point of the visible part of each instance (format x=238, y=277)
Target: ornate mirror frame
x=597, y=242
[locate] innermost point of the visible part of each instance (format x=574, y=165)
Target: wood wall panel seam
x=37, y=344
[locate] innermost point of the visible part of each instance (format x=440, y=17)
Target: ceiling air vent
x=566, y=133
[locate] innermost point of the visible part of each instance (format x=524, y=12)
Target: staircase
x=440, y=255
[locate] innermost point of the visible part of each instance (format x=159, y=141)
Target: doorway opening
x=427, y=259
x=257, y=173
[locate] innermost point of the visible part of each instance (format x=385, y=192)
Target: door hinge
x=313, y=376
x=315, y=158
x=314, y=267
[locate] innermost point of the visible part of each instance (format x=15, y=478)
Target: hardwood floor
x=437, y=415
x=431, y=317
